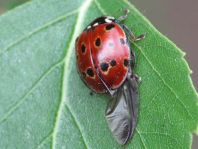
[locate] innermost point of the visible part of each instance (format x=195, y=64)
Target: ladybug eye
x=110, y=26
x=113, y=63
x=83, y=48
x=126, y=62
x=104, y=66
x=97, y=42
x=122, y=41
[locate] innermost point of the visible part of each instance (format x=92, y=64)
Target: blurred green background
x=176, y=19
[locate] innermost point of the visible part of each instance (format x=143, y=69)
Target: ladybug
x=105, y=62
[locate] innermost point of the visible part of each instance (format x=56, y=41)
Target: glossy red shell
x=103, y=49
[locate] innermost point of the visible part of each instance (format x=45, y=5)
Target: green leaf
x=43, y=102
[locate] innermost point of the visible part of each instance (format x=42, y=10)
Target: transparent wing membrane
x=122, y=110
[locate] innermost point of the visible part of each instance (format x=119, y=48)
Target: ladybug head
x=101, y=20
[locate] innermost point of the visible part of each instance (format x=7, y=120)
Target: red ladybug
x=105, y=61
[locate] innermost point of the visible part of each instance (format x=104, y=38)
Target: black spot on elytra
x=113, y=63
x=83, y=48
x=90, y=72
x=97, y=42
x=104, y=66
x=122, y=41
x=126, y=62
x=110, y=26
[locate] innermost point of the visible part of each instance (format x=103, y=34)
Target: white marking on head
x=95, y=24
x=88, y=27
x=107, y=20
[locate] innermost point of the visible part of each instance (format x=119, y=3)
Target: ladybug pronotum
x=105, y=63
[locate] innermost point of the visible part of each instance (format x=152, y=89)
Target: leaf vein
x=166, y=84
x=99, y=7
x=34, y=86
x=37, y=30
x=77, y=125
x=163, y=134
x=159, y=75
x=153, y=98
x=143, y=143
x=44, y=140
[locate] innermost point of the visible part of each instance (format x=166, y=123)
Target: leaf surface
x=43, y=102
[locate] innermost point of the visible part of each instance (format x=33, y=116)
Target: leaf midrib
x=81, y=15
x=81, y=12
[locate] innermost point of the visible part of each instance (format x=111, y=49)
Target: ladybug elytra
x=105, y=62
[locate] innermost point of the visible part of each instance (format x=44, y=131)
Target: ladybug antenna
x=126, y=12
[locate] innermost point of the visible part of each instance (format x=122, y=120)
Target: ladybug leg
x=122, y=18
x=132, y=36
x=111, y=92
x=140, y=37
x=133, y=59
x=136, y=77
